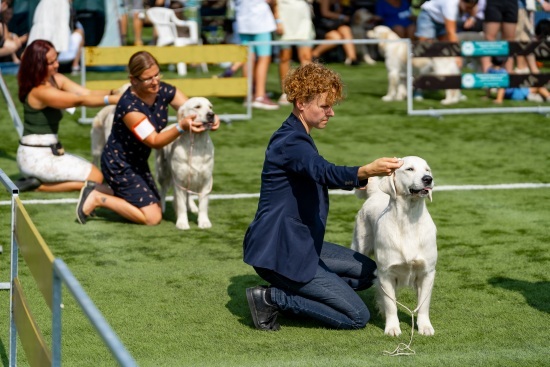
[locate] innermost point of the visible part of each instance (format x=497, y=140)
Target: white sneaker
x=265, y=103
x=533, y=97
x=283, y=101
x=369, y=60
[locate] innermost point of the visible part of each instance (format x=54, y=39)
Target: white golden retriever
x=395, y=56
x=187, y=165
x=394, y=225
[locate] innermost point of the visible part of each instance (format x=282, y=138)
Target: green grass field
x=178, y=298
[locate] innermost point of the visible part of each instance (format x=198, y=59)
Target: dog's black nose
x=210, y=116
x=427, y=180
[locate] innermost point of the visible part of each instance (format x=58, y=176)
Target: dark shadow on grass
x=3, y=354
x=4, y=154
x=169, y=214
x=369, y=297
x=238, y=305
x=236, y=290
x=537, y=294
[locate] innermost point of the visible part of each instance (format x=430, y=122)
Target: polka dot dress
x=124, y=159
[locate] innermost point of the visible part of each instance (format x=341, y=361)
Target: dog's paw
x=425, y=328
x=392, y=330
x=204, y=223
x=182, y=224
x=392, y=326
x=387, y=98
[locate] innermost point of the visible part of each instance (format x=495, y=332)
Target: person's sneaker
x=227, y=73
x=418, y=95
x=75, y=70
x=283, y=101
x=534, y=97
x=351, y=62
x=264, y=103
x=264, y=314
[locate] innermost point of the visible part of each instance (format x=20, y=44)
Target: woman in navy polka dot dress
x=140, y=115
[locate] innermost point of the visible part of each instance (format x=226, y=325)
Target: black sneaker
x=27, y=184
x=264, y=314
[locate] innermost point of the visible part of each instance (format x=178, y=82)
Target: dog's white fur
x=101, y=127
x=395, y=56
x=187, y=165
x=395, y=227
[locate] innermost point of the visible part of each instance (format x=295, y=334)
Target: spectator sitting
x=533, y=94
x=397, y=15
x=332, y=24
x=10, y=43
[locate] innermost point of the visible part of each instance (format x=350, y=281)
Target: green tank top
x=45, y=121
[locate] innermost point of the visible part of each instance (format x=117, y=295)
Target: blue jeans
x=330, y=296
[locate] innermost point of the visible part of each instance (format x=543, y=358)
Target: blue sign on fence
x=484, y=48
x=472, y=81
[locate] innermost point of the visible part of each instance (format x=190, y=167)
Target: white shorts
x=41, y=163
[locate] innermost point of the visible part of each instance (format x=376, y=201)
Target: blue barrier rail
x=61, y=276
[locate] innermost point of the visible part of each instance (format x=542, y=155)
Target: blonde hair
x=308, y=81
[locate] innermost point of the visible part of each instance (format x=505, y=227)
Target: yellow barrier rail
x=193, y=54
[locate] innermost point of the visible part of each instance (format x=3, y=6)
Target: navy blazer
x=288, y=230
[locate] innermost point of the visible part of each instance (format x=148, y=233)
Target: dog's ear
x=387, y=185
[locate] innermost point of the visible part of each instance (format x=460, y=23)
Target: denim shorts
x=427, y=28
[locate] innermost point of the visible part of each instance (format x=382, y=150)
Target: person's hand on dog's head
x=380, y=167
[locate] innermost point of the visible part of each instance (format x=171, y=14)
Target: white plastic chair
x=173, y=31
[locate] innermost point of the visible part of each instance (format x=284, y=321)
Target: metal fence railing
x=50, y=274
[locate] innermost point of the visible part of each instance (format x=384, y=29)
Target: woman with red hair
x=45, y=93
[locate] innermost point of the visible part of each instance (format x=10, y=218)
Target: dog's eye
x=410, y=169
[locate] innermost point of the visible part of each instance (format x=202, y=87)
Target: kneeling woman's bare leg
x=149, y=215
x=66, y=186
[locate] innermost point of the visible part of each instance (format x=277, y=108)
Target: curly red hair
x=308, y=81
x=33, y=69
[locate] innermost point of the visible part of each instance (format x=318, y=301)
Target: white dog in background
x=187, y=165
x=395, y=56
x=394, y=225
x=101, y=127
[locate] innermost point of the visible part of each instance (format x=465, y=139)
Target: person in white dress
x=293, y=18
